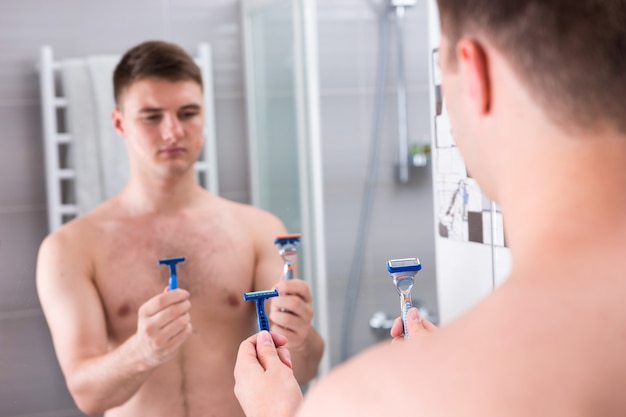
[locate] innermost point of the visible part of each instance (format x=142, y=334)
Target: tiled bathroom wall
x=401, y=223
x=30, y=380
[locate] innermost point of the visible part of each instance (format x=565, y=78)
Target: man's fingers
x=161, y=301
x=430, y=327
x=416, y=324
x=265, y=350
x=279, y=339
x=285, y=356
x=247, y=361
x=295, y=287
x=397, y=328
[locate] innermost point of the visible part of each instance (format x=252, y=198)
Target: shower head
x=402, y=3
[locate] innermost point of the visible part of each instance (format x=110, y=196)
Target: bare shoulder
x=372, y=383
x=418, y=377
x=69, y=237
x=495, y=360
x=256, y=220
x=68, y=249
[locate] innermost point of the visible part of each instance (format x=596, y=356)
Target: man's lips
x=172, y=151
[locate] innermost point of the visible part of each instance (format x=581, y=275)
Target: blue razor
x=171, y=262
x=288, y=250
x=259, y=297
x=403, y=272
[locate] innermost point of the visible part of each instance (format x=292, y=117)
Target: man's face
x=161, y=122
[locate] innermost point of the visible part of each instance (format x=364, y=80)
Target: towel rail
x=59, y=211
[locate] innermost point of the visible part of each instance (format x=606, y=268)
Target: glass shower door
x=282, y=96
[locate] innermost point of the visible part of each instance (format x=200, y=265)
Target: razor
x=171, y=262
x=288, y=250
x=259, y=297
x=403, y=273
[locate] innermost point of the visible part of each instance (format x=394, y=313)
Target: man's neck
x=144, y=195
x=570, y=201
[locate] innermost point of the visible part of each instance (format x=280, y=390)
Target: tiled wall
x=402, y=215
x=30, y=380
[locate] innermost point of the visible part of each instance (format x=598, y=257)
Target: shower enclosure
x=306, y=130
x=282, y=94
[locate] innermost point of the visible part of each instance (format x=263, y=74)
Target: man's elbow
x=84, y=399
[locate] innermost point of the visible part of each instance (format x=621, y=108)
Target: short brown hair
x=571, y=54
x=154, y=59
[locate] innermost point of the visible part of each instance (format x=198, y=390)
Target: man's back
x=530, y=349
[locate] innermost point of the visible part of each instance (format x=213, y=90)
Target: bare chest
x=218, y=268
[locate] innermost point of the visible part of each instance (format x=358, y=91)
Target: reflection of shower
x=392, y=8
x=449, y=225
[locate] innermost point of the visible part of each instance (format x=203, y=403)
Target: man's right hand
x=264, y=381
x=163, y=325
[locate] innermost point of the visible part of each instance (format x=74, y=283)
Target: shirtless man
x=535, y=91
x=128, y=348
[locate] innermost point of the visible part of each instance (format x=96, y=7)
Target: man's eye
x=187, y=115
x=153, y=118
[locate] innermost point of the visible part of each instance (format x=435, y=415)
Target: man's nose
x=171, y=128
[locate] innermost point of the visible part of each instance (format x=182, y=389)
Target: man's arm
x=97, y=378
x=291, y=313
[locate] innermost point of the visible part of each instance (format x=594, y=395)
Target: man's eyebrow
x=191, y=107
x=159, y=109
x=150, y=110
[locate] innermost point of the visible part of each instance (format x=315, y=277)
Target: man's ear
x=116, y=118
x=475, y=75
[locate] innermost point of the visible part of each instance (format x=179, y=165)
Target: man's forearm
x=306, y=359
x=101, y=383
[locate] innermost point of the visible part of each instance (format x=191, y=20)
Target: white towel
x=113, y=157
x=98, y=152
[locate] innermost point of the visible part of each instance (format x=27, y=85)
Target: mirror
x=344, y=38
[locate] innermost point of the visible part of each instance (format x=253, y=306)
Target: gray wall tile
x=30, y=378
x=20, y=234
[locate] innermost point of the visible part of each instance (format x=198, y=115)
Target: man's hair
x=154, y=59
x=570, y=54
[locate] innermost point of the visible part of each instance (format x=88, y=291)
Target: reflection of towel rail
x=68, y=209
x=67, y=174
x=59, y=210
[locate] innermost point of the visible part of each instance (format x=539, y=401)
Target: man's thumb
x=265, y=349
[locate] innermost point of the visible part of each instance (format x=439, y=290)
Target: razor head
x=260, y=295
x=285, y=239
x=288, y=246
x=411, y=265
x=171, y=261
x=259, y=298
